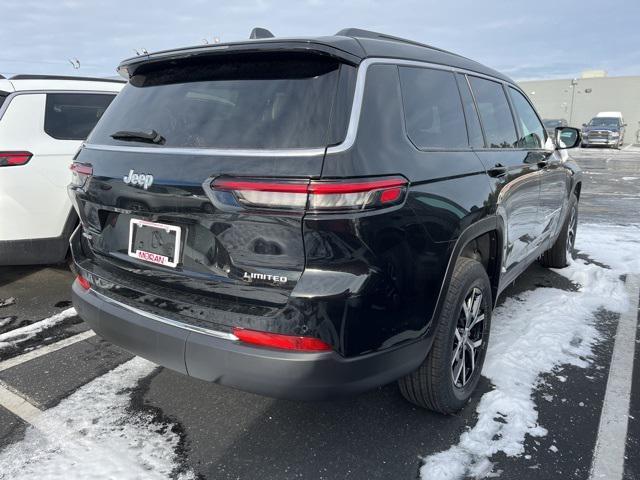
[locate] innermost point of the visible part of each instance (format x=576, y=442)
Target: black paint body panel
x=367, y=282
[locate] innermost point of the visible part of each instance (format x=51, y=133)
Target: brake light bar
x=311, y=195
x=13, y=159
x=283, y=342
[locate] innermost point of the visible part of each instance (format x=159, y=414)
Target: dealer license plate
x=154, y=242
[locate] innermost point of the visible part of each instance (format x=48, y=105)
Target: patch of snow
x=8, y=301
x=91, y=434
x=5, y=321
x=561, y=378
x=22, y=334
x=553, y=448
x=615, y=245
x=630, y=178
x=536, y=334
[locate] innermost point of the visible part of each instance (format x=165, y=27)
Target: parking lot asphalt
x=223, y=433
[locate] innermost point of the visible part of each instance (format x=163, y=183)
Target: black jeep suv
x=307, y=218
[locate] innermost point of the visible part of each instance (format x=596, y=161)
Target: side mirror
x=584, y=124
x=624, y=124
x=567, y=137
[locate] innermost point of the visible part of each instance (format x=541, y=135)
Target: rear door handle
x=498, y=170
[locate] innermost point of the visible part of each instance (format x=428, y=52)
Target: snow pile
x=91, y=435
x=22, y=334
x=532, y=335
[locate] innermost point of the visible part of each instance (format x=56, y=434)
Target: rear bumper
x=275, y=373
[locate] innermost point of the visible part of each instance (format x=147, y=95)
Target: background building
x=578, y=100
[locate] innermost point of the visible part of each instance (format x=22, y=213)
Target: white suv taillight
x=14, y=159
x=309, y=195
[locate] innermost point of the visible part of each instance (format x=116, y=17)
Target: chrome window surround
x=167, y=321
x=352, y=129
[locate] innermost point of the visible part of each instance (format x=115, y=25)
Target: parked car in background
x=43, y=121
x=551, y=124
x=605, y=129
x=316, y=217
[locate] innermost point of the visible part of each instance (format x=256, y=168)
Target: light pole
x=574, y=83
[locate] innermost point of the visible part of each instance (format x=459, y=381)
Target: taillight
x=83, y=282
x=13, y=159
x=314, y=195
x=79, y=173
x=283, y=342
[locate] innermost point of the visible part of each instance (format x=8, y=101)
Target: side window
x=72, y=116
x=3, y=97
x=476, y=139
x=497, y=121
x=532, y=131
x=432, y=108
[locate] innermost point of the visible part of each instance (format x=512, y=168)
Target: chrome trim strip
x=347, y=143
x=167, y=321
x=356, y=109
x=292, y=152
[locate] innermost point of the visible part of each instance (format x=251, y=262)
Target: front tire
x=450, y=373
x=561, y=253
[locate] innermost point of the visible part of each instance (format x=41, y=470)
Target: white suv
x=43, y=121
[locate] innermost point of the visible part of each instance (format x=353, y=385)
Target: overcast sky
x=525, y=40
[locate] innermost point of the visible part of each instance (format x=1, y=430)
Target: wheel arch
x=484, y=241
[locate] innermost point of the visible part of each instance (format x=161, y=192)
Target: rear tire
x=559, y=255
x=448, y=376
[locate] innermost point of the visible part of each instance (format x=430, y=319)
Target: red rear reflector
x=12, y=159
x=83, y=282
x=284, y=342
x=391, y=195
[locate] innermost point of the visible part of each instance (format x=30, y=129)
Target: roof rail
x=360, y=33
x=64, y=77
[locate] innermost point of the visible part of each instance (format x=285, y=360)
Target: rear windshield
x=271, y=101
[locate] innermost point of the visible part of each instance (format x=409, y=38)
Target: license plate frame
x=146, y=254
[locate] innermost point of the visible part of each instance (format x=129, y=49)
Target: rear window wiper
x=150, y=136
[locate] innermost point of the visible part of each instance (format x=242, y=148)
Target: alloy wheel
x=467, y=343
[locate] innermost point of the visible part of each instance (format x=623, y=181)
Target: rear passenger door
x=515, y=173
x=553, y=178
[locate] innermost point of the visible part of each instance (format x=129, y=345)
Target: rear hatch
x=154, y=224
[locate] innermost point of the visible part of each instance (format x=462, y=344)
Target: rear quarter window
x=72, y=116
x=432, y=108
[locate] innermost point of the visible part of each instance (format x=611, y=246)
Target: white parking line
x=608, y=458
x=19, y=405
x=12, y=362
